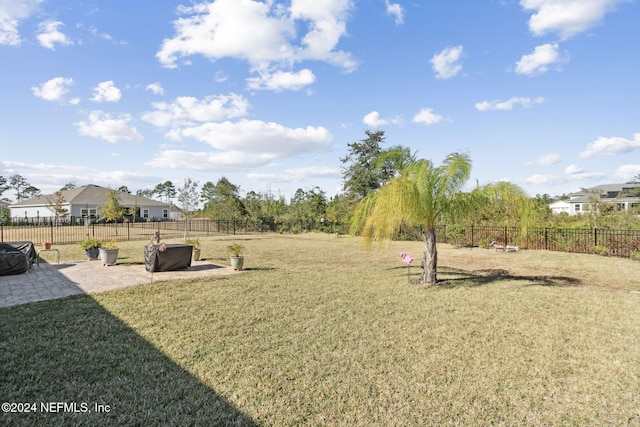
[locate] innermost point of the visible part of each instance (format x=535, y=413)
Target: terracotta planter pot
x=47, y=245
x=196, y=254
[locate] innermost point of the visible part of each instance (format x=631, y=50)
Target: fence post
x=51, y=231
x=546, y=238
x=472, y=235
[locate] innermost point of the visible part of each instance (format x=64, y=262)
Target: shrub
x=600, y=250
x=485, y=243
x=635, y=256
x=91, y=243
x=235, y=250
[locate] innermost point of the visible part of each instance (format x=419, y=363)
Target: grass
x=319, y=331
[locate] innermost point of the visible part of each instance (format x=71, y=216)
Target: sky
x=540, y=93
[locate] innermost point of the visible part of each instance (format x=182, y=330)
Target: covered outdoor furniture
x=16, y=257
x=169, y=257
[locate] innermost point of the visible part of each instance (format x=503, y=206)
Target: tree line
x=384, y=190
x=366, y=168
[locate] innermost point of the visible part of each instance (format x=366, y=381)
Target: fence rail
x=620, y=243
x=71, y=233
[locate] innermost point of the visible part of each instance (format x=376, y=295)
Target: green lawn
x=320, y=331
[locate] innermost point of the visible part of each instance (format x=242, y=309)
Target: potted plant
x=91, y=247
x=196, y=248
x=235, y=251
x=109, y=253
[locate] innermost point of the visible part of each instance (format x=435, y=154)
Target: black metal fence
x=70, y=233
x=620, y=243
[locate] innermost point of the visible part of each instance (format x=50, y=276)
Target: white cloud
x=446, y=63
x=611, y=146
x=54, y=89
x=188, y=111
x=298, y=174
x=573, y=176
x=262, y=33
x=395, y=10
x=540, y=60
x=427, y=116
x=106, y=92
x=573, y=169
x=545, y=179
x=38, y=166
x=627, y=173
x=566, y=17
x=548, y=159
x=508, y=104
x=281, y=80
x=373, y=119
x=156, y=88
x=49, y=34
x=242, y=144
x=103, y=125
x=11, y=13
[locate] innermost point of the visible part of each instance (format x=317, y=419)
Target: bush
x=91, y=243
x=485, y=243
x=635, y=256
x=600, y=250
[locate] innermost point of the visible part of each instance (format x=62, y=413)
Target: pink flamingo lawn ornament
x=407, y=259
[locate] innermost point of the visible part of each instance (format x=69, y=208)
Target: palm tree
x=421, y=194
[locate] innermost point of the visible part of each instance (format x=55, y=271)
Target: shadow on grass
x=75, y=352
x=457, y=277
x=452, y=278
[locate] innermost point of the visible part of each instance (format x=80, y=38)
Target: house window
x=93, y=213
x=165, y=213
x=577, y=207
x=145, y=213
x=84, y=212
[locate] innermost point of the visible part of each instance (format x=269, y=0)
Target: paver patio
x=49, y=281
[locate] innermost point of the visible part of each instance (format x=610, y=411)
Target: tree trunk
x=430, y=262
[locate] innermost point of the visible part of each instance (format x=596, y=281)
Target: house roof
x=609, y=188
x=92, y=195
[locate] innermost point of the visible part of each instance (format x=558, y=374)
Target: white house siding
x=89, y=199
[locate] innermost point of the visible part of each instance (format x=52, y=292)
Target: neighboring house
x=612, y=194
x=175, y=213
x=85, y=202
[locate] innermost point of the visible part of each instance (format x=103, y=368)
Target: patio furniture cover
x=174, y=257
x=16, y=257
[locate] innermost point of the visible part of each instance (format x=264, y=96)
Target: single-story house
x=85, y=202
x=621, y=197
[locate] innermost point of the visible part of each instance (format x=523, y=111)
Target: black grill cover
x=175, y=257
x=16, y=257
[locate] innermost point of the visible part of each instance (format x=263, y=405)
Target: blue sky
x=542, y=93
